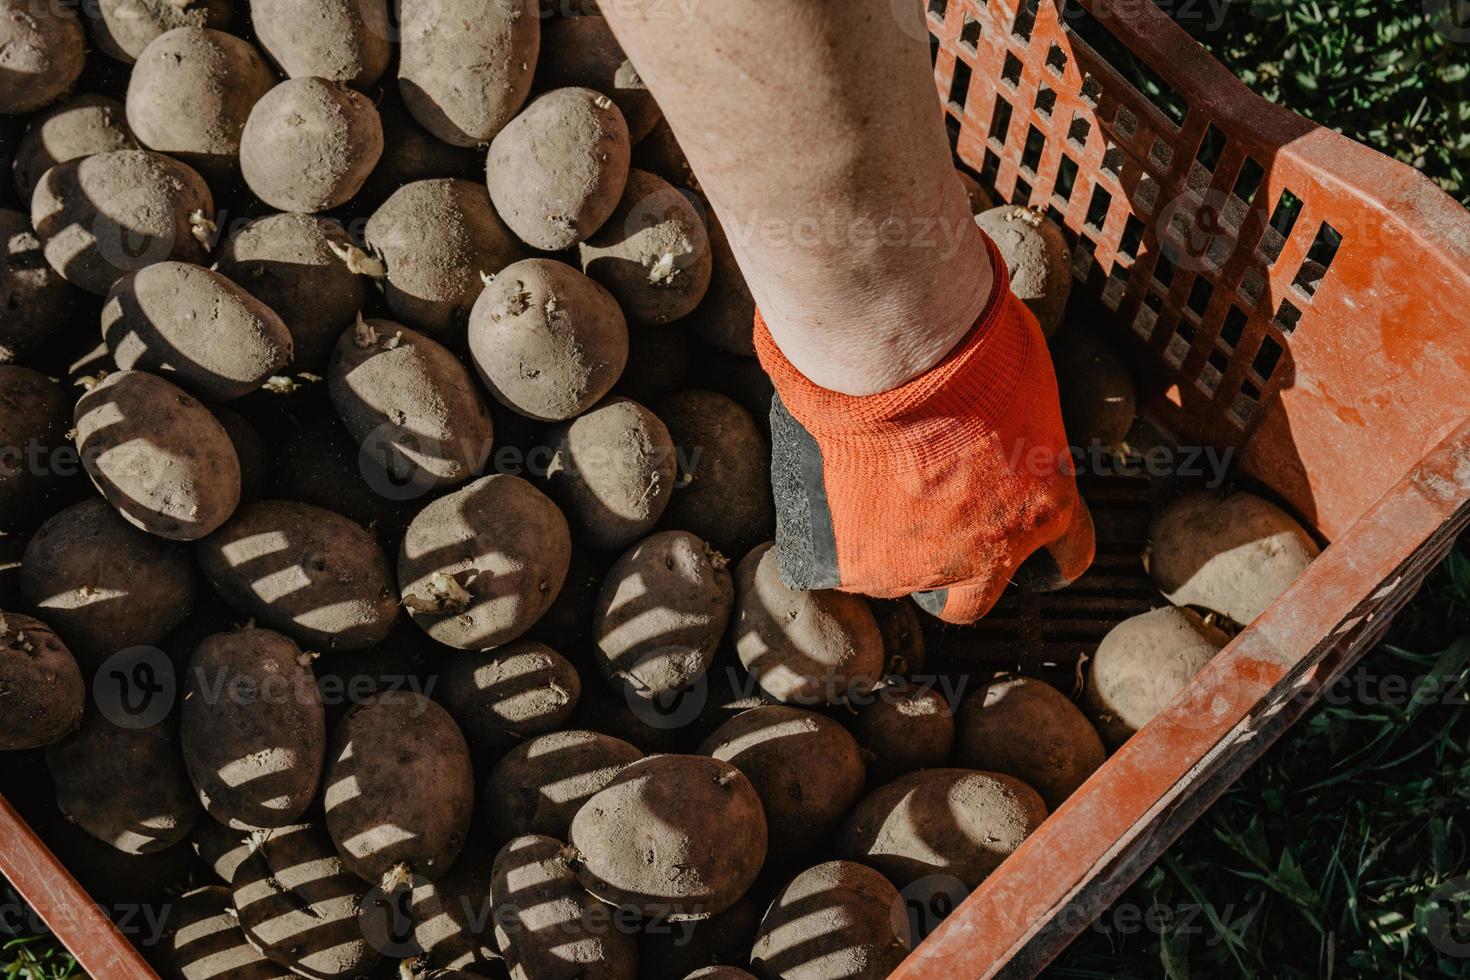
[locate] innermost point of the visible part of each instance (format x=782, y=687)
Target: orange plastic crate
x=1282, y=292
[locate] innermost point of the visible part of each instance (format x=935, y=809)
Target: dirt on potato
x=190, y=94
x=79, y=127
x=310, y=144
x=347, y=41
x=40, y=683
x=548, y=342
x=557, y=170
x=103, y=216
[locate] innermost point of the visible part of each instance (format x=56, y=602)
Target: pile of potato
x=385, y=524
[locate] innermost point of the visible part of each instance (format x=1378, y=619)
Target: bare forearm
x=814, y=129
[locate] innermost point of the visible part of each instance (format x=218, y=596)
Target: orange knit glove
x=949, y=487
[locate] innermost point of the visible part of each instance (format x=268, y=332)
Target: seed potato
x=300, y=906
x=1142, y=664
x=345, y=41
x=449, y=921
x=37, y=300
x=410, y=404
x=190, y=94
x=905, y=727
x=45, y=50
x=399, y=788
x=299, y=265
x=806, y=768
x=1099, y=399
x=723, y=493
x=104, y=584
x=838, y=919
x=203, y=941
x=309, y=144
x=1231, y=555
x=305, y=571
x=678, y=836
x=79, y=127
x=112, y=877
x=661, y=613
x=612, y=470
x=438, y=239
x=103, y=216
x=557, y=170
x=549, y=928
x=503, y=696
x=582, y=52
x=652, y=253
x=124, y=786
x=479, y=566
x=465, y=66
x=252, y=728
x=903, y=635
x=157, y=455
x=726, y=692
x=957, y=822
x=1037, y=257
x=548, y=342
x=538, y=786
x=803, y=647
x=195, y=327
x=221, y=848
x=34, y=419
x=1026, y=728
x=122, y=29
x=44, y=693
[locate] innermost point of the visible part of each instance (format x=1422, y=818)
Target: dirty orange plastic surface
x=1280, y=291
x=66, y=908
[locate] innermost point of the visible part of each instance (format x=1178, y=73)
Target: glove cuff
x=961, y=398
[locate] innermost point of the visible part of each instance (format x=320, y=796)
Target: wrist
x=965, y=392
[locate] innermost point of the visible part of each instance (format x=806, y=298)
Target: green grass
x=1380, y=71
x=35, y=958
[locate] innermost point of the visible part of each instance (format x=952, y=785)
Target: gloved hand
x=950, y=487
